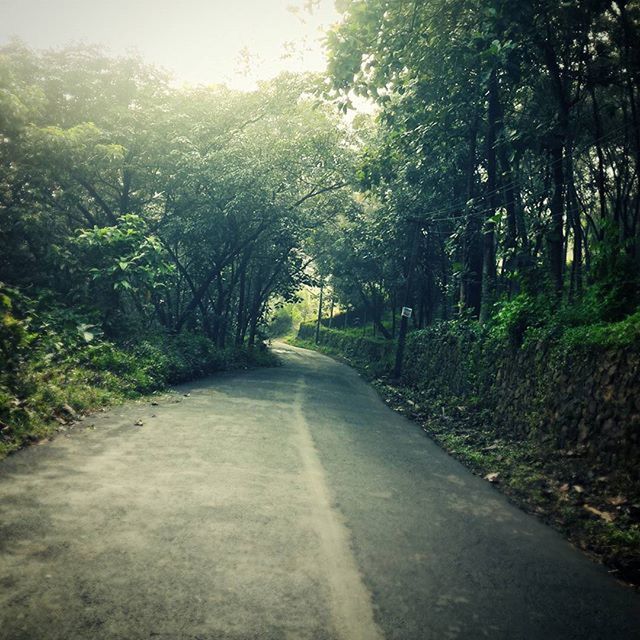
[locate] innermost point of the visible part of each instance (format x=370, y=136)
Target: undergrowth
x=56, y=364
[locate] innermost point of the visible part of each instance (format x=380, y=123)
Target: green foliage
x=374, y=355
x=475, y=111
x=514, y=318
x=13, y=335
x=282, y=322
x=162, y=209
x=125, y=256
x=616, y=288
x=622, y=334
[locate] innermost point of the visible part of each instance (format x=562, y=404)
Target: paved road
x=280, y=504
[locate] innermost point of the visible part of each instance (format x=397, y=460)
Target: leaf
x=605, y=515
x=85, y=332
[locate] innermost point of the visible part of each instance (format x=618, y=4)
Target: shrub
x=53, y=358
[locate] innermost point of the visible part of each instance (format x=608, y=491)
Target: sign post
x=406, y=309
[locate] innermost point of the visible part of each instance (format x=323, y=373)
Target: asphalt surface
x=280, y=503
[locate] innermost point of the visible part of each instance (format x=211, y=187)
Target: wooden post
x=404, y=321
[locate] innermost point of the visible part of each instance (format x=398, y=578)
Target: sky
x=235, y=42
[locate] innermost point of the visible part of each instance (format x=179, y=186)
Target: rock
x=583, y=431
x=154, y=403
x=493, y=477
x=70, y=411
x=138, y=423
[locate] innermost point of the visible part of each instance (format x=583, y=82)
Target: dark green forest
x=502, y=176
x=148, y=233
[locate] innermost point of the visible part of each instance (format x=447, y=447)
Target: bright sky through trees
x=235, y=42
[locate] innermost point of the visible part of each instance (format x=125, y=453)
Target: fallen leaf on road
x=138, y=423
x=578, y=488
x=616, y=501
x=493, y=477
x=564, y=487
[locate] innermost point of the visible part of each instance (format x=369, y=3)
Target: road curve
x=285, y=503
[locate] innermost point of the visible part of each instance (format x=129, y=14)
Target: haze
x=198, y=41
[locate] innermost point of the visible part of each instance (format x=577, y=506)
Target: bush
x=373, y=354
x=513, y=318
x=53, y=359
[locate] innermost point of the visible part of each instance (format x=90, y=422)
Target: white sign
x=406, y=312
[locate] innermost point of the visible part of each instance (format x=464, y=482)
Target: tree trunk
x=488, y=236
x=555, y=237
x=471, y=280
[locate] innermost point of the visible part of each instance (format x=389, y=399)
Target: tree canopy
x=508, y=142
x=503, y=162
x=154, y=206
